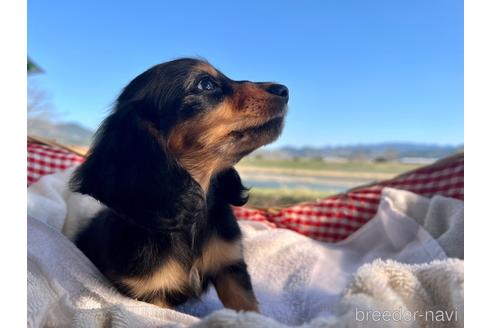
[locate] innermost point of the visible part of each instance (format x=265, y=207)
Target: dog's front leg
x=234, y=288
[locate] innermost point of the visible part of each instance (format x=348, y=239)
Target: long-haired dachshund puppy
x=162, y=164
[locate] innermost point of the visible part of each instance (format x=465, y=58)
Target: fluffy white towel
x=383, y=294
x=296, y=279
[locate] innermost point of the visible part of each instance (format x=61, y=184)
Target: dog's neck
x=202, y=177
x=202, y=171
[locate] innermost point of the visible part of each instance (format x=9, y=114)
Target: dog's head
x=204, y=119
x=180, y=118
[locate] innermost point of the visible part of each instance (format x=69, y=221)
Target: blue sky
x=358, y=71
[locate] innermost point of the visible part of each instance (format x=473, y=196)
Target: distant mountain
x=386, y=150
x=68, y=133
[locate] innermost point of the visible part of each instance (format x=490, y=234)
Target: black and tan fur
x=162, y=164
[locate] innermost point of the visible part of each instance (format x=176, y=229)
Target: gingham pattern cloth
x=331, y=219
x=335, y=218
x=43, y=160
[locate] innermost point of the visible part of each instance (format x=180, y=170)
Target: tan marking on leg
x=169, y=277
x=219, y=253
x=234, y=296
x=159, y=301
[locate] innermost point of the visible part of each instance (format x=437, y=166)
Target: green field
x=306, y=168
x=269, y=197
x=319, y=165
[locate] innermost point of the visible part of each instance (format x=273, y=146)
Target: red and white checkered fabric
x=331, y=219
x=337, y=217
x=43, y=160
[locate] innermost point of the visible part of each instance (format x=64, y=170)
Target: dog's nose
x=279, y=90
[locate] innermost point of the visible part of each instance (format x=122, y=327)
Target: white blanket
x=297, y=280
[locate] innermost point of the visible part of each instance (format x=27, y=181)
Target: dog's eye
x=206, y=84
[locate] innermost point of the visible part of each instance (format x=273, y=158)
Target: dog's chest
x=173, y=276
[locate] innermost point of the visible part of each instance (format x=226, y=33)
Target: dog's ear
x=129, y=170
x=228, y=184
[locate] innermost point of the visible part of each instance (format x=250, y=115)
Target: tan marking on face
x=208, y=142
x=171, y=276
x=197, y=143
x=234, y=296
x=252, y=100
x=203, y=145
x=207, y=68
x=219, y=253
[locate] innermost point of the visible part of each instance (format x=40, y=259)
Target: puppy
x=162, y=164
